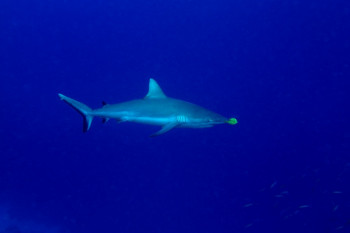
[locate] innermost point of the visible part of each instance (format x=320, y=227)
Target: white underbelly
x=151, y=120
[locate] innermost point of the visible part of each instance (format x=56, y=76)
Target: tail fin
x=82, y=109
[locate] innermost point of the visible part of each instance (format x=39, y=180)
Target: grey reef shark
x=155, y=109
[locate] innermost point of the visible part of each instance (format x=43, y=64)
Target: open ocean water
x=282, y=68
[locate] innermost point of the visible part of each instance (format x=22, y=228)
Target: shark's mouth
x=195, y=126
x=200, y=124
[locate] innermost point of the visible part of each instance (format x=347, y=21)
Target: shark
x=155, y=109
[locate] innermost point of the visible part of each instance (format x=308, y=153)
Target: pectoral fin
x=165, y=129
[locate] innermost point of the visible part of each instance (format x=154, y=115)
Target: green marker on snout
x=232, y=121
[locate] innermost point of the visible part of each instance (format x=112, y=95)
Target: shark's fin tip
x=61, y=96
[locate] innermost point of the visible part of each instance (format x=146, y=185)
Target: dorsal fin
x=154, y=90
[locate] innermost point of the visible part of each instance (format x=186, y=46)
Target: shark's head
x=186, y=114
x=213, y=119
x=200, y=120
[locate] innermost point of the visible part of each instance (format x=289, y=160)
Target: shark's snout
x=217, y=119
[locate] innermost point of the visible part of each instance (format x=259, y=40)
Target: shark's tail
x=82, y=109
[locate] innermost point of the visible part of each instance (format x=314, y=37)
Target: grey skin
x=155, y=109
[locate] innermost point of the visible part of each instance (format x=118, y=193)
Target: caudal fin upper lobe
x=82, y=109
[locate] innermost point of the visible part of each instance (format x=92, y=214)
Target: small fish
x=339, y=228
x=335, y=208
x=273, y=185
x=337, y=192
x=248, y=205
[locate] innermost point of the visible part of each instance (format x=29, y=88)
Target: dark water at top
x=280, y=67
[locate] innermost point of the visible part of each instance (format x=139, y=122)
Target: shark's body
x=156, y=109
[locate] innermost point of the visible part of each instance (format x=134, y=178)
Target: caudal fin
x=82, y=109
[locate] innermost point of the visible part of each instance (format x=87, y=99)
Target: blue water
x=280, y=67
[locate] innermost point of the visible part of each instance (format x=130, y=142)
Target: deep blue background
x=280, y=67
